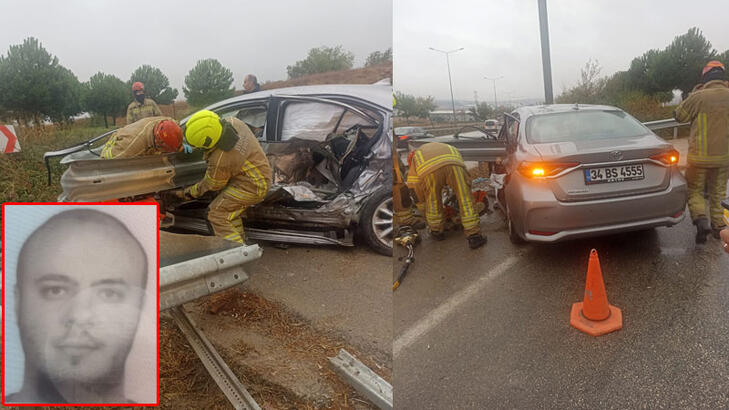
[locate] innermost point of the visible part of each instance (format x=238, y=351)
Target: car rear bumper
x=542, y=218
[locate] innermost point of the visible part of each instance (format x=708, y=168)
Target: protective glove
x=179, y=193
x=186, y=148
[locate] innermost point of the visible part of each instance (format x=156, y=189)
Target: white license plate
x=614, y=174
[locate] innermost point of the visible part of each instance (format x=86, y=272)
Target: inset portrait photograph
x=80, y=308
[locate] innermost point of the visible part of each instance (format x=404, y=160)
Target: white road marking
x=439, y=314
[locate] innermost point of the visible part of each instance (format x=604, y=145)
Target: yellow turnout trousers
x=431, y=186
x=224, y=213
x=700, y=180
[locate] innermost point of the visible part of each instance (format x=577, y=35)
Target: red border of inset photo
x=110, y=203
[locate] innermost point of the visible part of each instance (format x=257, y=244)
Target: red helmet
x=712, y=64
x=137, y=86
x=167, y=136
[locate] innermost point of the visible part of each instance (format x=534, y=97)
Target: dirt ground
x=277, y=355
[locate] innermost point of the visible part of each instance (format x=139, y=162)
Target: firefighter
x=141, y=107
x=236, y=166
x=401, y=202
x=154, y=135
x=431, y=167
x=707, y=108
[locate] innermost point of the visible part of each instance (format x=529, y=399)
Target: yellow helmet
x=203, y=129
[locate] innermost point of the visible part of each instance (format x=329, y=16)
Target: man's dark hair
x=79, y=217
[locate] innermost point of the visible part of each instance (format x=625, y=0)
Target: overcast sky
x=501, y=38
x=259, y=37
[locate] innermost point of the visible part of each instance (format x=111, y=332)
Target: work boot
x=703, y=229
x=476, y=241
x=419, y=225
x=438, y=236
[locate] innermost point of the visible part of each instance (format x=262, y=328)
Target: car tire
x=376, y=222
x=513, y=236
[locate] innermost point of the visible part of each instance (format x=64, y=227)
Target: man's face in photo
x=80, y=292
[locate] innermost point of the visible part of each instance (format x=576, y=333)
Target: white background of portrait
x=141, y=368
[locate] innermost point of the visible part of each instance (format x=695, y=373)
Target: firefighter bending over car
x=707, y=107
x=148, y=136
x=236, y=166
x=141, y=107
x=401, y=202
x=433, y=166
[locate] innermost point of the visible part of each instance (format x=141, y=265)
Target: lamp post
x=450, y=83
x=546, y=60
x=494, y=80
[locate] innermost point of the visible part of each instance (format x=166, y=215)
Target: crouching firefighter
x=433, y=166
x=236, y=166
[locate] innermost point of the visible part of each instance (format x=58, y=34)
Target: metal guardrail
x=215, y=365
x=195, y=278
x=363, y=379
x=667, y=123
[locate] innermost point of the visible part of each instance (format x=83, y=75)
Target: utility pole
x=450, y=83
x=494, y=80
x=546, y=61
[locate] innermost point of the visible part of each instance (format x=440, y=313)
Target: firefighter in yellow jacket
x=707, y=108
x=148, y=136
x=401, y=202
x=433, y=166
x=141, y=107
x=236, y=166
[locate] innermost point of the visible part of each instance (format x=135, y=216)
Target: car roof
x=379, y=94
x=532, y=110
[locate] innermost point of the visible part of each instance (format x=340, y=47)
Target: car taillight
x=544, y=169
x=404, y=137
x=668, y=158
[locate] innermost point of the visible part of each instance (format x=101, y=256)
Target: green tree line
x=35, y=87
x=651, y=78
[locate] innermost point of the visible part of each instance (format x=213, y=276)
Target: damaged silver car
x=329, y=147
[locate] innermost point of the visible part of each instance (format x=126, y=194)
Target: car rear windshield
x=582, y=126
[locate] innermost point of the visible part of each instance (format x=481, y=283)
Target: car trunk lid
x=624, y=159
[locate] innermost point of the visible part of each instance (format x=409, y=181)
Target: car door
x=320, y=141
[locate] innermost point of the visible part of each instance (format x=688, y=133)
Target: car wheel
x=513, y=236
x=376, y=222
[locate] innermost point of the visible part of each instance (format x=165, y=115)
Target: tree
x=378, y=57
x=423, y=106
x=322, y=60
x=33, y=85
x=679, y=66
x=482, y=111
x=68, y=92
x=156, y=84
x=208, y=82
x=105, y=94
x=589, y=89
x=406, y=105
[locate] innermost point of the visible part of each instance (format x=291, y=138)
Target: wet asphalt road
x=489, y=328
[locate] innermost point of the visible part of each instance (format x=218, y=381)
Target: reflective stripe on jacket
x=244, y=163
x=137, y=111
x=707, y=108
x=134, y=140
x=430, y=157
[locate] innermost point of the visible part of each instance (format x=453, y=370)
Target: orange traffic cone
x=594, y=315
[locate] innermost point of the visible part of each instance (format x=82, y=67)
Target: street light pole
x=546, y=61
x=450, y=83
x=494, y=80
